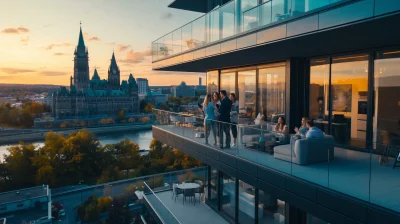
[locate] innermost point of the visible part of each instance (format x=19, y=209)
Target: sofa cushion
x=284, y=149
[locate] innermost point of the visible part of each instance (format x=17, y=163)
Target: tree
x=119, y=211
x=121, y=115
x=142, y=105
x=92, y=212
x=148, y=108
x=103, y=203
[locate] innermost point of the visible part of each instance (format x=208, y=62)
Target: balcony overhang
x=366, y=34
x=190, y=5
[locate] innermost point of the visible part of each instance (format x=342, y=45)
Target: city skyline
x=40, y=50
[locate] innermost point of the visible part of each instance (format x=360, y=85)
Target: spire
x=95, y=75
x=132, y=80
x=113, y=61
x=81, y=42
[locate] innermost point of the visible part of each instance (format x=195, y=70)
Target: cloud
x=94, y=39
x=133, y=57
x=122, y=47
x=166, y=15
x=50, y=47
x=52, y=73
x=18, y=30
x=111, y=43
x=24, y=40
x=58, y=54
x=47, y=25
x=14, y=71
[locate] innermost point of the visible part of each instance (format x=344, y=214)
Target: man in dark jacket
x=225, y=118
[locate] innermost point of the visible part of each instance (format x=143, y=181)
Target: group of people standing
x=219, y=107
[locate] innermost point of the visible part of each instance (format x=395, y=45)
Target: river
x=142, y=138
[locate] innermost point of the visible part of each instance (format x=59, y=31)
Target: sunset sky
x=38, y=38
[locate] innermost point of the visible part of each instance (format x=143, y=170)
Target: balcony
x=356, y=173
x=243, y=24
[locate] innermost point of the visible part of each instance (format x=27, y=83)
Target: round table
x=185, y=186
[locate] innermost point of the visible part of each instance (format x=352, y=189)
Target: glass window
x=247, y=203
x=314, y=220
x=271, y=90
x=349, y=89
x=386, y=123
x=270, y=209
x=319, y=90
x=212, y=82
x=247, y=96
x=228, y=201
x=213, y=188
x=228, y=82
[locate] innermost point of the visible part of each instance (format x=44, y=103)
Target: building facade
x=95, y=96
x=182, y=90
x=143, y=85
x=335, y=62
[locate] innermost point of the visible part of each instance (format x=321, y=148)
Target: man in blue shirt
x=313, y=132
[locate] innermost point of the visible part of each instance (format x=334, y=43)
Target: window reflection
x=213, y=200
x=386, y=123
x=228, y=201
x=271, y=209
x=319, y=89
x=247, y=203
x=349, y=99
x=247, y=96
x=212, y=82
x=272, y=92
x=228, y=82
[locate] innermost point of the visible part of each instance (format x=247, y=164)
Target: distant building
x=182, y=90
x=158, y=97
x=143, y=85
x=34, y=203
x=93, y=97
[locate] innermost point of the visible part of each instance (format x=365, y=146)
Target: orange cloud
x=122, y=47
x=58, y=54
x=14, y=71
x=53, y=73
x=24, y=40
x=18, y=30
x=133, y=57
x=94, y=39
x=50, y=47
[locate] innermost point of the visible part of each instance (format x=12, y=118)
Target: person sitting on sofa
x=313, y=132
x=303, y=128
x=281, y=127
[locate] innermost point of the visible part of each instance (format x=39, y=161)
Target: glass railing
x=236, y=17
x=130, y=191
x=366, y=173
x=228, y=20
x=161, y=210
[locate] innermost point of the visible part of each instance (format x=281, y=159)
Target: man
x=302, y=131
x=225, y=118
x=313, y=132
x=234, y=117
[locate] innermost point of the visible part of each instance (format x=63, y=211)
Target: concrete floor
x=190, y=213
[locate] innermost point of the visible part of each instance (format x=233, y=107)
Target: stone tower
x=113, y=74
x=81, y=64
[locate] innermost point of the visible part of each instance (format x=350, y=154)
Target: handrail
x=152, y=192
x=122, y=181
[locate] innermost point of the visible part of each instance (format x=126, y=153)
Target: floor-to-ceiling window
x=228, y=195
x=386, y=123
x=247, y=96
x=228, y=81
x=212, y=82
x=271, y=91
x=247, y=203
x=319, y=93
x=212, y=199
x=349, y=89
x=270, y=209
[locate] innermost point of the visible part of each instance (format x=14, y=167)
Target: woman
x=281, y=127
x=217, y=103
x=209, y=119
